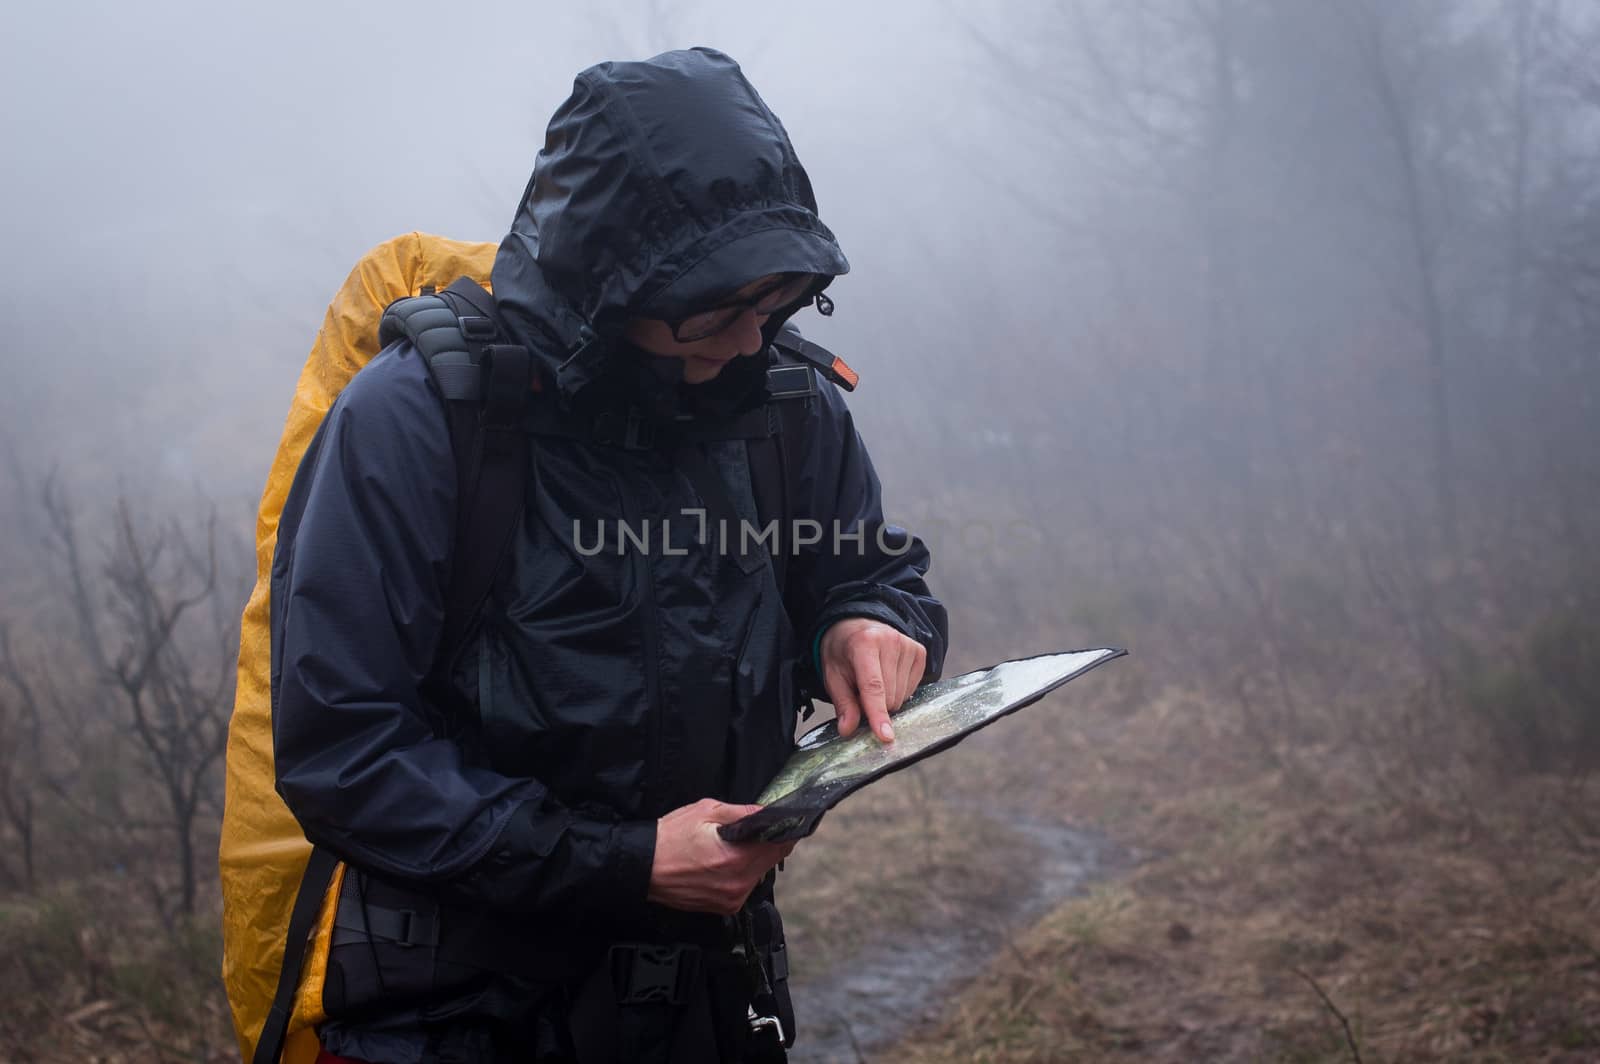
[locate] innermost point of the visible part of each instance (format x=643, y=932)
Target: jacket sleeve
x=358, y=605
x=860, y=565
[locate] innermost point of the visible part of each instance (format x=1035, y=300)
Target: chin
x=702, y=373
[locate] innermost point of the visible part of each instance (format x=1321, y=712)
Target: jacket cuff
x=631, y=855
x=555, y=861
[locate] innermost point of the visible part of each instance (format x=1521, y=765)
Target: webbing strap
x=693, y=1007
x=491, y=491
x=491, y=460
x=631, y=430
x=307, y=904
x=767, y=930
x=769, y=480
x=829, y=364
x=404, y=927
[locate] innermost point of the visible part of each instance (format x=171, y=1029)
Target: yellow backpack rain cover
x=263, y=852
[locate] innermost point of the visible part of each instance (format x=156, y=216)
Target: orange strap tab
x=846, y=372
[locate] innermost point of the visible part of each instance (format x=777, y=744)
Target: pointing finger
x=846, y=710
x=870, y=688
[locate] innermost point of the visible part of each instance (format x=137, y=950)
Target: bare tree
x=157, y=629
x=1400, y=122
x=21, y=754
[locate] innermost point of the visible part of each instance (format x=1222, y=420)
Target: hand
x=698, y=871
x=869, y=668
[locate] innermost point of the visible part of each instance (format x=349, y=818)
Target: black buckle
x=778, y=963
x=641, y=433
x=633, y=431
x=410, y=932
x=790, y=382
x=506, y=376
x=476, y=327
x=645, y=973
x=405, y=928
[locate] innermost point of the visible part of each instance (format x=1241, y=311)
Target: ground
x=1289, y=914
x=1115, y=874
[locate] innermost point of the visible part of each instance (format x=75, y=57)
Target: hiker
x=528, y=823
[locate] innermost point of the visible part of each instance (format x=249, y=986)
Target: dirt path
x=897, y=982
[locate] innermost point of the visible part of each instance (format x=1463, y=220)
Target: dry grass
x=1292, y=916
x=87, y=975
x=1456, y=929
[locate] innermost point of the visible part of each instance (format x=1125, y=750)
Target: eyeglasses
x=785, y=290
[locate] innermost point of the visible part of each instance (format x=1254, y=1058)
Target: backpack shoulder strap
x=307, y=905
x=824, y=361
x=485, y=385
x=791, y=390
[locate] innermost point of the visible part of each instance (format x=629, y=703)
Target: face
x=704, y=359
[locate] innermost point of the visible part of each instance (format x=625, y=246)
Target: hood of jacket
x=663, y=185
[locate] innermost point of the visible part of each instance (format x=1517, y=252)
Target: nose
x=746, y=332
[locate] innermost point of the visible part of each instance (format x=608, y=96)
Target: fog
x=1260, y=337
x=191, y=185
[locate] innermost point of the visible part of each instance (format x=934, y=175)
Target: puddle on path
x=891, y=986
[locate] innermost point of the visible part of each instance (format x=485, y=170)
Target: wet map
x=826, y=768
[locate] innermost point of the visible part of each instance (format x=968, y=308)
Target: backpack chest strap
x=632, y=430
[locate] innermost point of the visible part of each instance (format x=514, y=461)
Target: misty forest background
x=1259, y=336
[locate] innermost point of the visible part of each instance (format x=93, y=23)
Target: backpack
x=265, y=861
x=280, y=895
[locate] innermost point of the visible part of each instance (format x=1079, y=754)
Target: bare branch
x=1344, y=1022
